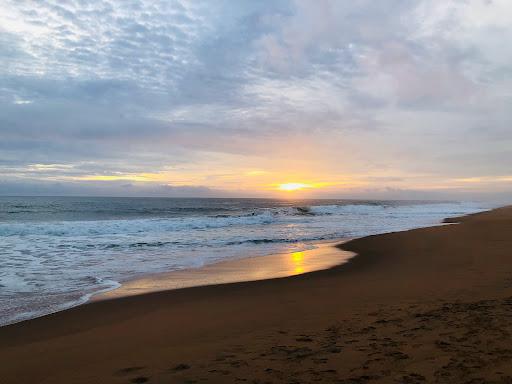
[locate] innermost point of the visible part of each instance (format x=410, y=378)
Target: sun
x=292, y=186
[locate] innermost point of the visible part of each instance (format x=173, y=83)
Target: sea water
x=57, y=251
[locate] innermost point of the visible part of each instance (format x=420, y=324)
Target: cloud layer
x=230, y=98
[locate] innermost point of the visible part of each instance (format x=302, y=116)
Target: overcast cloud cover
x=396, y=98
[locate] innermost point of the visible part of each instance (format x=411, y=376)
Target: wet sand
x=324, y=255
x=428, y=305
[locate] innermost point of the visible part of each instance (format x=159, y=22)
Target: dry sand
x=429, y=305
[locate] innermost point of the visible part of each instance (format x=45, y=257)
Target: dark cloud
x=46, y=188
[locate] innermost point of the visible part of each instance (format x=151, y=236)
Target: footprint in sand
x=128, y=370
x=139, y=380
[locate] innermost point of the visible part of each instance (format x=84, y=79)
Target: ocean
x=55, y=252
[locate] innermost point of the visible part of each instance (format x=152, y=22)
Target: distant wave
x=279, y=240
x=260, y=216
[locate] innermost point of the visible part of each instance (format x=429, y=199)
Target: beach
x=425, y=305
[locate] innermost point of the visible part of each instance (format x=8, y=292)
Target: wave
x=280, y=240
x=253, y=217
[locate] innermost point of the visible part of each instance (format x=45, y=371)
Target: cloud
x=48, y=188
x=385, y=90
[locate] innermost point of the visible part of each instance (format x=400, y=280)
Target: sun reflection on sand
x=297, y=259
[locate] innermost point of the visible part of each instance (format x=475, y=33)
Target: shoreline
x=325, y=254
x=237, y=270
x=393, y=313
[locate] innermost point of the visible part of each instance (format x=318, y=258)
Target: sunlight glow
x=293, y=186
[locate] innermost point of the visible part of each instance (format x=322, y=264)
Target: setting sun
x=293, y=186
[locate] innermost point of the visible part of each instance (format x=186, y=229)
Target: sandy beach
x=426, y=305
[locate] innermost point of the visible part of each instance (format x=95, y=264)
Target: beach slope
x=427, y=305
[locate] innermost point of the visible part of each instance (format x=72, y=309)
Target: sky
x=400, y=99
